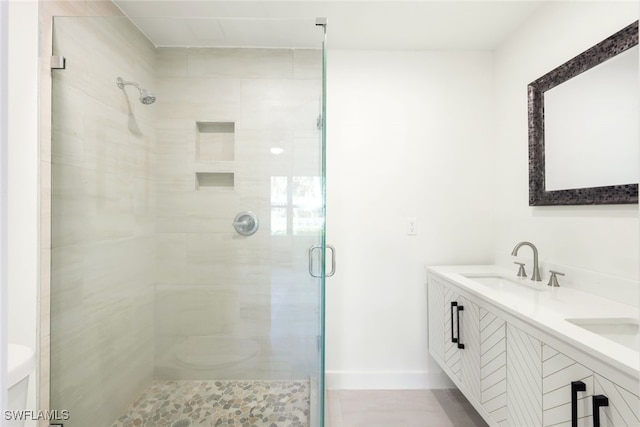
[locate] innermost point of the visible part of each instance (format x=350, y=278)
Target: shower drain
x=184, y=422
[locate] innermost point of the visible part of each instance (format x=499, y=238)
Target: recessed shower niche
x=215, y=141
x=214, y=180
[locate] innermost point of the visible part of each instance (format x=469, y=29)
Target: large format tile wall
x=47, y=10
x=228, y=306
x=149, y=278
x=103, y=220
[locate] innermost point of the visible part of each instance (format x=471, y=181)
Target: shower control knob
x=246, y=223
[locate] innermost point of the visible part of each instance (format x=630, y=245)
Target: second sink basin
x=625, y=331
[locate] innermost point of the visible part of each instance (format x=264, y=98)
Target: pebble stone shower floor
x=220, y=403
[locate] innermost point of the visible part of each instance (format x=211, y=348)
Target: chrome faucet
x=536, y=273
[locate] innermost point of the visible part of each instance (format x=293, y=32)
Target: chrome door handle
x=311, y=249
x=333, y=261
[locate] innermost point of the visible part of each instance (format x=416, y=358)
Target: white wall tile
x=307, y=64
x=228, y=290
x=103, y=220
x=171, y=62
x=241, y=63
x=171, y=258
x=199, y=99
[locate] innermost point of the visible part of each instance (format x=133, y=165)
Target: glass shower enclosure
x=188, y=224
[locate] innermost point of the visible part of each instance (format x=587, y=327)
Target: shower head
x=146, y=97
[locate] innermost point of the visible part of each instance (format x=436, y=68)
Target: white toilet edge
x=22, y=361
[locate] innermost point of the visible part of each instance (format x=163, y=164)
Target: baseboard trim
x=393, y=380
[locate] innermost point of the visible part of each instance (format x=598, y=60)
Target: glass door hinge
x=58, y=62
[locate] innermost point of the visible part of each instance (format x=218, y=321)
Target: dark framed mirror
x=571, y=163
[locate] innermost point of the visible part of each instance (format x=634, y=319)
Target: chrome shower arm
x=121, y=84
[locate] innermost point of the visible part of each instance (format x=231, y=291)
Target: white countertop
x=548, y=308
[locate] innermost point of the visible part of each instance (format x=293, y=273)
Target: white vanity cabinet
x=545, y=386
x=436, y=318
x=454, y=336
x=493, y=366
x=468, y=318
x=524, y=379
x=567, y=387
x=468, y=342
x=452, y=354
x=622, y=409
x=516, y=375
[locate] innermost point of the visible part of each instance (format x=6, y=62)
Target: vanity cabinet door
x=524, y=379
x=436, y=315
x=558, y=373
x=493, y=366
x=623, y=404
x=454, y=335
x=443, y=326
x=469, y=338
x=451, y=355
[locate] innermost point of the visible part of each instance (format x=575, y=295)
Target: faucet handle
x=521, y=272
x=553, y=279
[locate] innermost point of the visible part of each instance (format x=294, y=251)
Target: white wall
x=4, y=67
x=442, y=137
x=408, y=137
x=602, y=239
x=23, y=171
x=23, y=176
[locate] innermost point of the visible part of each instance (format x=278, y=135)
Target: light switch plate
x=412, y=227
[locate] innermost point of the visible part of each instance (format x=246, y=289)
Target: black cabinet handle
x=453, y=306
x=460, y=308
x=598, y=401
x=576, y=386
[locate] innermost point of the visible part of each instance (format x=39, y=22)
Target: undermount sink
x=503, y=283
x=623, y=330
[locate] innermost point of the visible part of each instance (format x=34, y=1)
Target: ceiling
x=353, y=24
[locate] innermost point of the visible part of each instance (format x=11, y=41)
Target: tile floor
x=286, y=404
x=401, y=408
x=220, y=403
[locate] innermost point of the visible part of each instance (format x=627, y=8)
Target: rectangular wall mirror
x=584, y=128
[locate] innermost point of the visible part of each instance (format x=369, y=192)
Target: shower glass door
x=188, y=252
